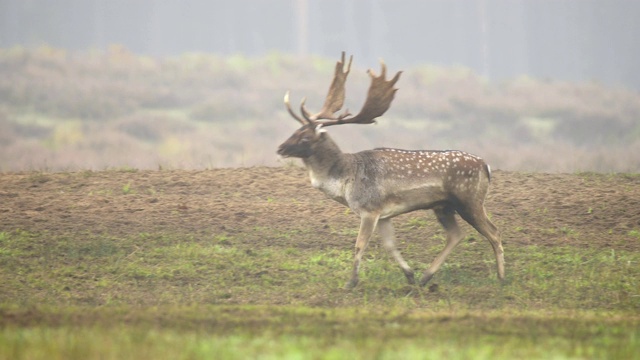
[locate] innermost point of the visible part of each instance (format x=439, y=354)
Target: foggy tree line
x=574, y=40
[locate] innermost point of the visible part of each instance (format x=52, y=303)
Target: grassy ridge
x=93, y=109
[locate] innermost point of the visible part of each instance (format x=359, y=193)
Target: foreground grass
x=184, y=296
x=160, y=269
x=295, y=333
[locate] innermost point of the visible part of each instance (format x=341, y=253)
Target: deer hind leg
x=385, y=227
x=478, y=218
x=367, y=226
x=446, y=217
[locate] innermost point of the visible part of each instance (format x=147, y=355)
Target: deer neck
x=327, y=167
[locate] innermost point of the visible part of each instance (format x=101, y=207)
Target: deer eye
x=305, y=139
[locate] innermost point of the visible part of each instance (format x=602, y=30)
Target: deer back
x=394, y=181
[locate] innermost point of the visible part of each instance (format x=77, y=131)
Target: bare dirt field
x=583, y=210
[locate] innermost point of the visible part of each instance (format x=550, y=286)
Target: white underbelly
x=395, y=210
x=419, y=197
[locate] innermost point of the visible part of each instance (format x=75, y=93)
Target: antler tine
x=383, y=70
x=379, y=97
x=335, y=97
x=293, y=114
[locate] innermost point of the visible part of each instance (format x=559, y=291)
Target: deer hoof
x=425, y=279
x=351, y=284
x=410, y=278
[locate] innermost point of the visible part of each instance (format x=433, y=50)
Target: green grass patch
x=159, y=269
x=158, y=295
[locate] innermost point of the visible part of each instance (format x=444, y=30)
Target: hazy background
x=529, y=85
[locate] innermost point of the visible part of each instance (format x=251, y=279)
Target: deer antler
x=379, y=98
x=334, y=99
x=335, y=96
x=293, y=114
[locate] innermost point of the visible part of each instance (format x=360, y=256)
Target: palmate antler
x=379, y=97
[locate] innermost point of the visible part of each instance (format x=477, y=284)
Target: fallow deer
x=382, y=183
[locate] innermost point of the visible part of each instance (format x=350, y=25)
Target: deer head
x=379, y=97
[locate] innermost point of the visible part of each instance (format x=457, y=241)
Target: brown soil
x=585, y=210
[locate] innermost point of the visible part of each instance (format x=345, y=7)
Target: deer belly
x=415, y=199
x=393, y=209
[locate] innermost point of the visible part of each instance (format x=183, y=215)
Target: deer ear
x=320, y=130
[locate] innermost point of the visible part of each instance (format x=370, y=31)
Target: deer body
x=395, y=181
x=382, y=183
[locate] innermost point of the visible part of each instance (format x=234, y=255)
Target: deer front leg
x=367, y=226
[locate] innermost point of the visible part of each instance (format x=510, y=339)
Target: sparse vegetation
x=126, y=189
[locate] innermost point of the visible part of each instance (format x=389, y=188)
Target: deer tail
x=487, y=169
